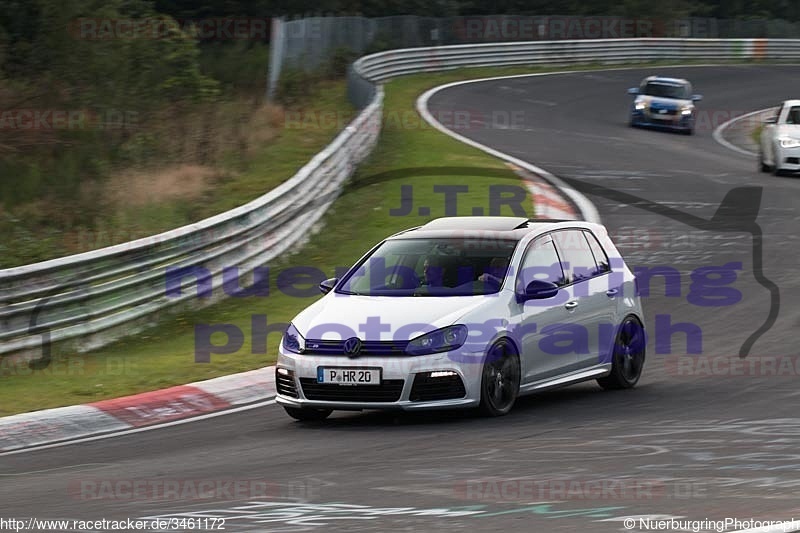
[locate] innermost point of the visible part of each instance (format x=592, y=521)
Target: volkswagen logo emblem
x=352, y=346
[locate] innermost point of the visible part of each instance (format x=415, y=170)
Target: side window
x=541, y=262
x=793, y=117
x=600, y=256
x=576, y=256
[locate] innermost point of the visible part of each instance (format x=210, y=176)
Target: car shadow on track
x=787, y=174
x=661, y=129
x=569, y=402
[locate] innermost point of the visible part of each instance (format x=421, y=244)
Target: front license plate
x=349, y=376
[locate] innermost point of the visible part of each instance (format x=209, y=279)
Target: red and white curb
x=548, y=201
x=121, y=415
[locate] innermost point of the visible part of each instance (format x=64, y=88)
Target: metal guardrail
x=385, y=65
x=99, y=296
x=96, y=297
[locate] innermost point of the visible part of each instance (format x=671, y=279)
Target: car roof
x=791, y=102
x=510, y=228
x=662, y=79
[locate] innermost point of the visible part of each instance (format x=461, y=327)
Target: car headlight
x=293, y=341
x=441, y=340
x=789, y=142
x=686, y=111
x=639, y=106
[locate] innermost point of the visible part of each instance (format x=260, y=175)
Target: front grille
x=426, y=388
x=285, y=383
x=368, y=348
x=668, y=112
x=388, y=391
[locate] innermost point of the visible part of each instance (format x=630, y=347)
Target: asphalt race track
x=691, y=441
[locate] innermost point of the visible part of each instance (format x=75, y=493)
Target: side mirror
x=538, y=290
x=771, y=120
x=328, y=285
x=633, y=90
x=697, y=97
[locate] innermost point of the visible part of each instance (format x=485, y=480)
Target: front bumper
x=788, y=159
x=406, y=382
x=671, y=122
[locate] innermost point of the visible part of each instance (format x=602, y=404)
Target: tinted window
x=431, y=267
x=541, y=262
x=576, y=256
x=666, y=90
x=600, y=257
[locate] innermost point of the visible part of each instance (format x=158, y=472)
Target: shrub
x=295, y=85
x=339, y=61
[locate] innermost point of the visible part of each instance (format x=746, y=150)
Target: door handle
x=571, y=305
x=611, y=293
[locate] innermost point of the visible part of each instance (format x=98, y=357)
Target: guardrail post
x=276, y=48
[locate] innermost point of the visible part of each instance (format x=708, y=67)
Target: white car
x=779, y=144
x=466, y=312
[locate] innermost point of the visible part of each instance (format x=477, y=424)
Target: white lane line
x=586, y=207
x=722, y=127
x=139, y=430
x=540, y=102
x=70, y=467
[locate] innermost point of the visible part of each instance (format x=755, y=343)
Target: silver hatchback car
x=466, y=312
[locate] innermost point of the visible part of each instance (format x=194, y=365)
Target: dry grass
x=265, y=123
x=195, y=147
x=135, y=188
x=173, y=167
x=208, y=135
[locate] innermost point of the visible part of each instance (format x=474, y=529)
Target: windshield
x=432, y=267
x=666, y=90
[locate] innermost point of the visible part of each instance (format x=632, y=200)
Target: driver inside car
x=433, y=272
x=496, y=271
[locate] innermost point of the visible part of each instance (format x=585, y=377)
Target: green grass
x=756, y=134
x=164, y=356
